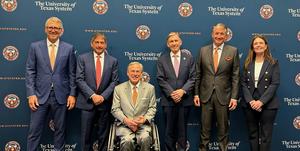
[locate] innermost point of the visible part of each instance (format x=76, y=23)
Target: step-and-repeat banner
x=136, y=31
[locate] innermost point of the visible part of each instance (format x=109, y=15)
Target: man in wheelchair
x=134, y=106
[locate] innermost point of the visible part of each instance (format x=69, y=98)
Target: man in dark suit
x=217, y=85
x=50, y=84
x=176, y=78
x=96, y=77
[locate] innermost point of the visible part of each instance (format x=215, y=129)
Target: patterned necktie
x=98, y=71
x=176, y=64
x=134, y=95
x=216, y=58
x=52, y=55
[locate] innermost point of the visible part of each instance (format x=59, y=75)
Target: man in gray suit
x=134, y=106
x=217, y=85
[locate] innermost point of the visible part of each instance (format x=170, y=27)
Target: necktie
x=176, y=64
x=216, y=58
x=52, y=55
x=134, y=95
x=98, y=71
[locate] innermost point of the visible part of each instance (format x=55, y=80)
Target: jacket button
x=266, y=87
x=248, y=87
x=266, y=79
x=248, y=79
x=248, y=72
x=266, y=72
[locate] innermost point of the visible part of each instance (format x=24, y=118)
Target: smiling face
x=174, y=43
x=53, y=29
x=219, y=35
x=134, y=73
x=259, y=46
x=99, y=45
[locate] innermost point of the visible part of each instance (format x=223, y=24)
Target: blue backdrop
x=136, y=31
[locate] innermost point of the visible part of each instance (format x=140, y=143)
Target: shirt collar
x=178, y=54
x=137, y=85
x=101, y=55
x=49, y=42
x=220, y=47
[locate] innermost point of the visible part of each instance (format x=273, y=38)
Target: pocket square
x=228, y=58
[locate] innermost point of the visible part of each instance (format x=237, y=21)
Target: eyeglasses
x=54, y=28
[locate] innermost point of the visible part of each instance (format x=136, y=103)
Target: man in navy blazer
x=176, y=83
x=95, y=101
x=50, y=84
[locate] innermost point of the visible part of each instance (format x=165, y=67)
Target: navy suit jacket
x=40, y=77
x=268, y=82
x=86, y=80
x=168, y=81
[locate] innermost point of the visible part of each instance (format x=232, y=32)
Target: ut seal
x=187, y=146
x=296, y=122
x=145, y=77
x=143, y=32
x=11, y=101
x=229, y=34
x=297, y=79
x=298, y=36
x=266, y=11
x=9, y=5
x=185, y=9
x=100, y=7
x=12, y=146
x=10, y=53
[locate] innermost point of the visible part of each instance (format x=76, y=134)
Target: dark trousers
x=39, y=118
x=100, y=118
x=222, y=115
x=176, y=118
x=260, y=127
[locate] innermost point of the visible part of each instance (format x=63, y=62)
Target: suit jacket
x=86, y=80
x=168, y=81
x=225, y=81
x=40, y=77
x=268, y=82
x=122, y=105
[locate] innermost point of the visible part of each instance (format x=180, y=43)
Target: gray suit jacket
x=122, y=105
x=225, y=81
x=268, y=82
x=168, y=81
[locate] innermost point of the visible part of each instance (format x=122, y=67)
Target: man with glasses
x=50, y=84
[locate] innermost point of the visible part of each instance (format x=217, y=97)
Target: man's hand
x=232, y=104
x=131, y=124
x=140, y=120
x=33, y=102
x=71, y=102
x=197, y=101
x=97, y=99
x=177, y=95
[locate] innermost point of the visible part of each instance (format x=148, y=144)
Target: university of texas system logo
x=229, y=34
x=143, y=32
x=185, y=9
x=10, y=53
x=296, y=122
x=297, y=79
x=100, y=7
x=298, y=36
x=12, y=146
x=145, y=77
x=9, y=5
x=266, y=11
x=11, y=101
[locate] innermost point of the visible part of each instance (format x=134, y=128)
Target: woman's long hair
x=251, y=54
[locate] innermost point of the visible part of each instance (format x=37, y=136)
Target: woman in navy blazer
x=260, y=80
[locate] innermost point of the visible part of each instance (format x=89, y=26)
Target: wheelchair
x=114, y=141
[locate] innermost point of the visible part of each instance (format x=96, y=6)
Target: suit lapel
x=251, y=70
x=45, y=53
x=58, y=55
x=263, y=69
x=210, y=57
x=169, y=63
x=128, y=91
x=91, y=65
